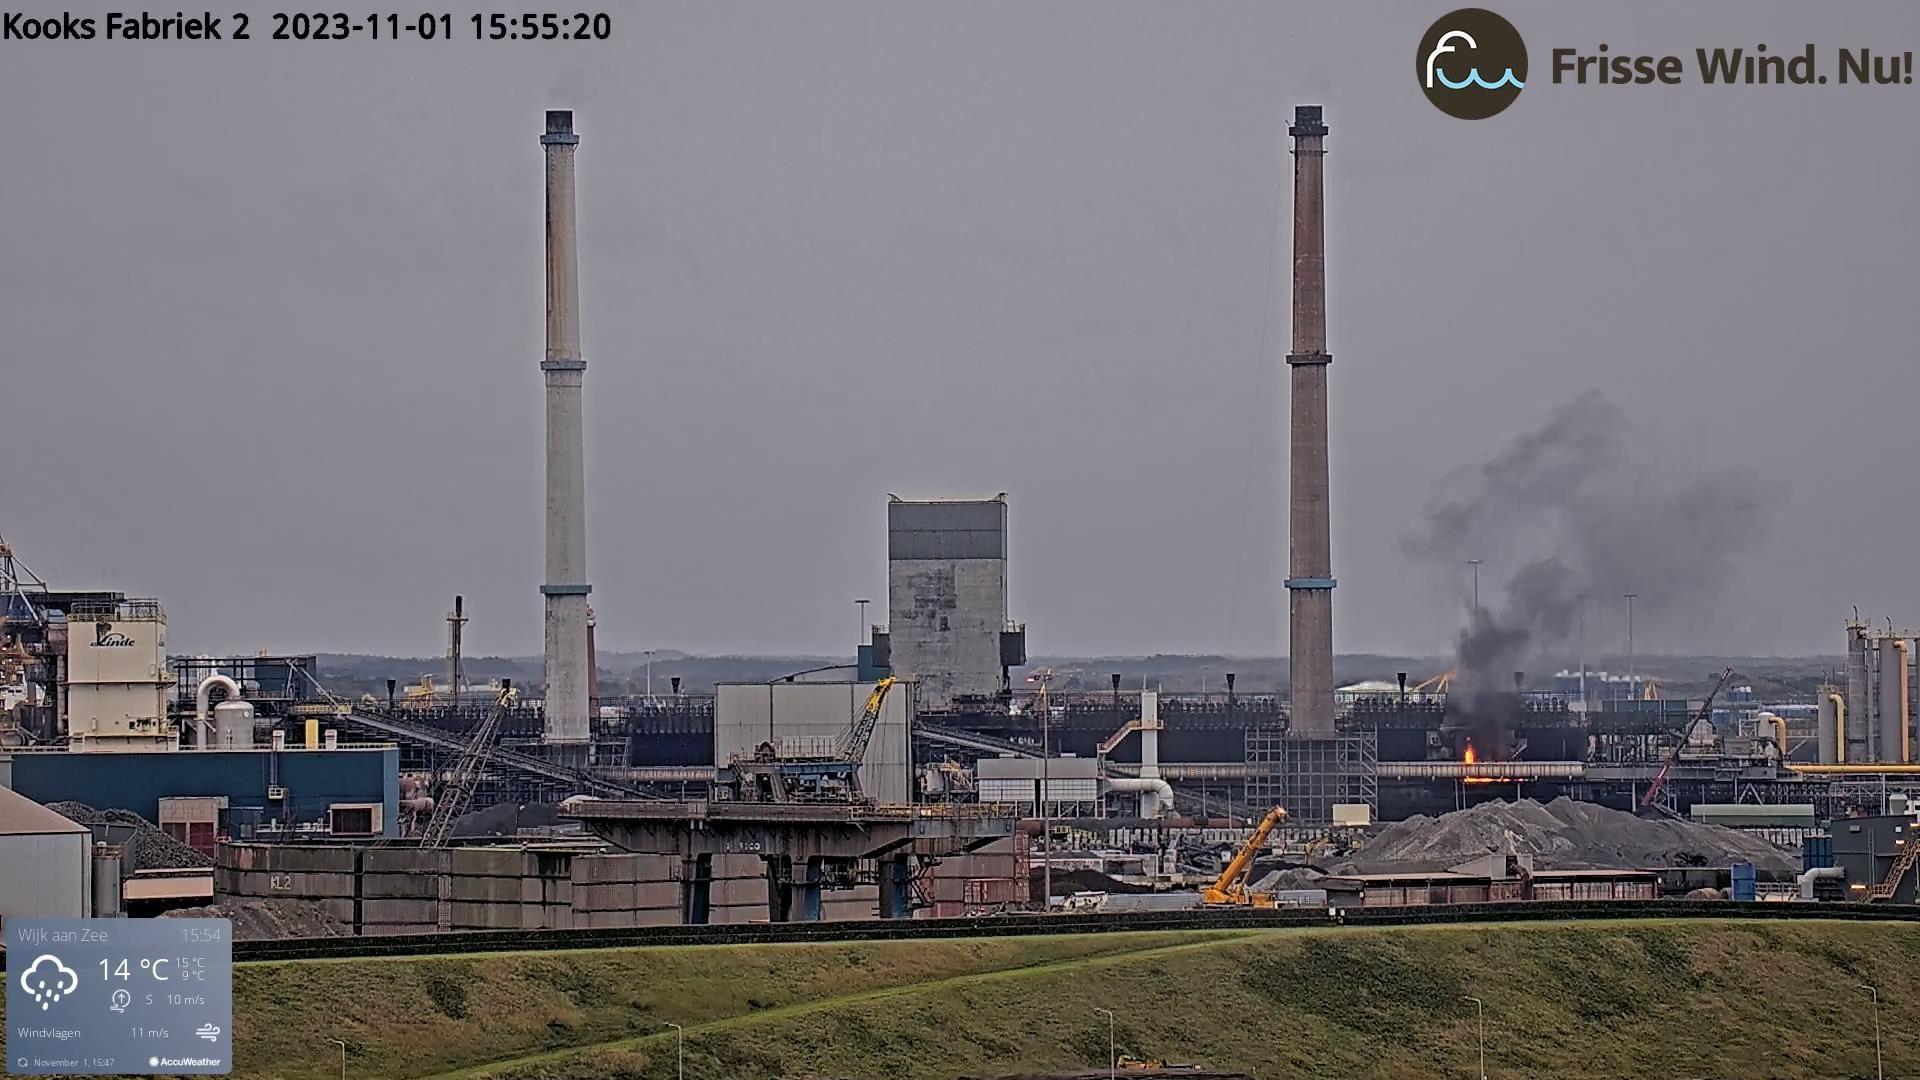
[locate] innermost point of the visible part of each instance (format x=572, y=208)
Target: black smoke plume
x=1580, y=511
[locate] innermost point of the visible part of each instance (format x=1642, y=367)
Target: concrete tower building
x=566, y=588
x=1309, y=545
x=947, y=597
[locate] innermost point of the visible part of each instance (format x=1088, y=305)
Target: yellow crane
x=854, y=747
x=1230, y=888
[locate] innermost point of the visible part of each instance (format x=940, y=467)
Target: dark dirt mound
x=152, y=848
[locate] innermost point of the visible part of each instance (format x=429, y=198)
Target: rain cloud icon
x=48, y=980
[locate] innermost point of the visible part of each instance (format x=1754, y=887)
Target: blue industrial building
x=276, y=789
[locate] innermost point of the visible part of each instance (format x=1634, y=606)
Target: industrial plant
x=940, y=772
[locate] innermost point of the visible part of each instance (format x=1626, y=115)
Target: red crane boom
x=1705, y=714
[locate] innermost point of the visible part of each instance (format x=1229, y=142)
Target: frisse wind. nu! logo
x=1472, y=63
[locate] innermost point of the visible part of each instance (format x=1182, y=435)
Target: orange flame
x=1469, y=758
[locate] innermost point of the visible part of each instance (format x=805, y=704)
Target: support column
x=896, y=887
x=779, y=872
x=696, y=889
x=810, y=890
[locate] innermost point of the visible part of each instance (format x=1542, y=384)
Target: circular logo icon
x=1472, y=63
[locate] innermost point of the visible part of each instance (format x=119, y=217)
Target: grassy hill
x=1668, y=998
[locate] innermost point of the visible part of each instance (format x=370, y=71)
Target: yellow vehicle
x=1230, y=889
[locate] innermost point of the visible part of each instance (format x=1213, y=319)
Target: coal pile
x=1563, y=835
x=152, y=848
x=1066, y=882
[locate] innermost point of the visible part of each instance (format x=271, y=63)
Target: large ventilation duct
x=1156, y=796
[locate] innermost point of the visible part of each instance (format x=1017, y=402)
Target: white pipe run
x=1156, y=795
x=202, y=699
x=1817, y=873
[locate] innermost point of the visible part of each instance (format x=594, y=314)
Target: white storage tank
x=233, y=725
x=1832, y=723
x=1895, y=699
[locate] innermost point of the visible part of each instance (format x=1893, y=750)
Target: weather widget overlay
x=139, y=996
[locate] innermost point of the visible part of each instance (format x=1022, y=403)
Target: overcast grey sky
x=272, y=314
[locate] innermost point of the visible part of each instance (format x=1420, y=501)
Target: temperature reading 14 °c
x=159, y=969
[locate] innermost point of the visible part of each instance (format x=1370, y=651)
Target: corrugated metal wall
x=46, y=877
x=744, y=718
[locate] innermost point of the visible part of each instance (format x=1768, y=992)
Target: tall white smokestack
x=566, y=588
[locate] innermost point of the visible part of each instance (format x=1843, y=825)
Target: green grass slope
x=1665, y=998
x=418, y=1017
x=1641, y=999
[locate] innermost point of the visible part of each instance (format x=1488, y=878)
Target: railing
x=114, y=609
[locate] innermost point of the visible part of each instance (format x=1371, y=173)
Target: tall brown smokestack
x=1309, y=545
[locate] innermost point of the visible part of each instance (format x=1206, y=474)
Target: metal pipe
x=1884, y=768
x=1779, y=725
x=1879, y=1064
x=1807, y=879
x=1113, y=1060
x=1493, y=770
x=1161, y=792
x=679, y=1049
x=1633, y=691
x=456, y=624
x=202, y=700
x=1480, y=1013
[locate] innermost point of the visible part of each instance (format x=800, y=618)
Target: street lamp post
x=1480, y=1009
x=1633, y=690
x=1879, y=1066
x=1045, y=677
x=1581, y=647
x=679, y=1050
x=1113, y=1061
x=342, y=1043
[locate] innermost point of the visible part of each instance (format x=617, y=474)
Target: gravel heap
x=152, y=848
x=1563, y=835
x=267, y=920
